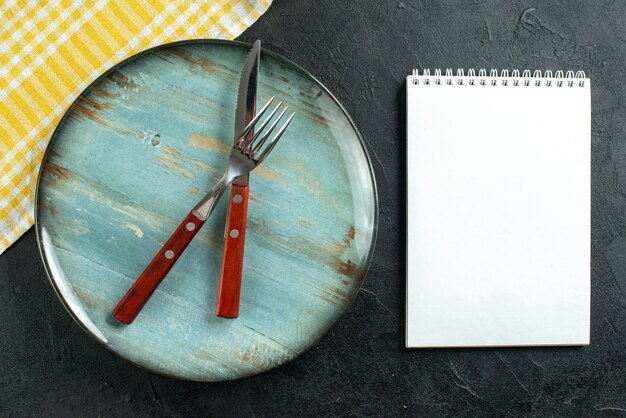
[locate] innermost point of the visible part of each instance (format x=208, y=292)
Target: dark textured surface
x=362, y=51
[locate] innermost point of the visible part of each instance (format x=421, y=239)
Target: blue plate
x=136, y=152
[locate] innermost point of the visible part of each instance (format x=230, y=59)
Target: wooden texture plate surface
x=135, y=153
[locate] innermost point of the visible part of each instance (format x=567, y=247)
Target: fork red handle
x=147, y=282
x=232, y=258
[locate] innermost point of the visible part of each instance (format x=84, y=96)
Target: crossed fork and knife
x=251, y=146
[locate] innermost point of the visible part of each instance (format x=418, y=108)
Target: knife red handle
x=147, y=282
x=232, y=258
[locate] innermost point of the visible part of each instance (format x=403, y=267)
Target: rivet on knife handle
x=232, y=260
x=147, y=282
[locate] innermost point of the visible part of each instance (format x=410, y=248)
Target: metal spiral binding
x=537, y=79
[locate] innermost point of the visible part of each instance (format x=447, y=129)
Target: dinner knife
x=235, y=233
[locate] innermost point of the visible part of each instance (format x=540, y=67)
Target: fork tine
x=258, y=146
x=274, y=140
x=253, y=122
x=259, y=130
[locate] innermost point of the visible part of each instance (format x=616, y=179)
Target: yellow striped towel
x=51, y=50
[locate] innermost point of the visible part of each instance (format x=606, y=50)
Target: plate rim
x=137, y=56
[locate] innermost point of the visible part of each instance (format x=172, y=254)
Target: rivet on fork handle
x=131, y=304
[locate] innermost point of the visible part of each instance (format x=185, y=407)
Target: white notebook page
x=498, y=214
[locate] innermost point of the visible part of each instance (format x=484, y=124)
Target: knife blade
x=246, y=97
x=235, y=232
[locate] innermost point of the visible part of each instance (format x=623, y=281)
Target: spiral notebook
x=498, y=209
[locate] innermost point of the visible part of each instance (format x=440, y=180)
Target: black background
x=362, y=51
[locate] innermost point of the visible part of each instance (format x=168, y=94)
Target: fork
x=246, y=155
